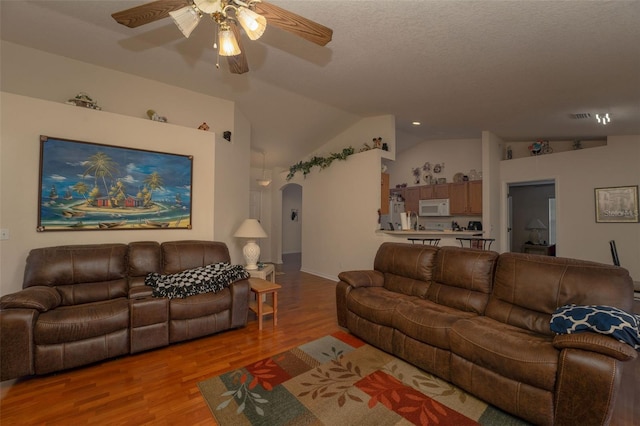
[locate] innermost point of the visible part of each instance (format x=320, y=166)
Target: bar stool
x=477, y=242
x=431, y=241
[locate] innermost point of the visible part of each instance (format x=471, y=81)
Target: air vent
x=580, y=115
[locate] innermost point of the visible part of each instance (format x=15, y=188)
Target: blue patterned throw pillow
x=615, y=322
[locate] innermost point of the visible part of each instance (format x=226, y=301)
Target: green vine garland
x=322, y=162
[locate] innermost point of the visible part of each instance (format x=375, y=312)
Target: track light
x=253, y=24
x=186, y=19
x=603, y=119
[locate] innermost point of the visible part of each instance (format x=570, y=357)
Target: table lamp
x=535, y=225
x=251, y=230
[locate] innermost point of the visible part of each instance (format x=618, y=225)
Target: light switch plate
x=4, y=234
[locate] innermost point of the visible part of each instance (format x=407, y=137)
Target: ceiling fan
x=252, y=15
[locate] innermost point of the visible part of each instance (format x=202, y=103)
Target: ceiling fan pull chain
x=215, y=46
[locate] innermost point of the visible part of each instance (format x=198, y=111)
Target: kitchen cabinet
x=465, y=198
x=441, y=190
x=384, y=193
x=475, y=197
x=430, y=192
x=426, y=192
x=411, y=199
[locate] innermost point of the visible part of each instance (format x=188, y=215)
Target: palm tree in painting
x=101, y=166
x=82, y=189
x=153, y=182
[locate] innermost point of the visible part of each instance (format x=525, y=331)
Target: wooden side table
x=262, y=288
x=267, y=270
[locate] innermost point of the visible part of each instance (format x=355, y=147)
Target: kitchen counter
x=431, y=233
x=447, y=237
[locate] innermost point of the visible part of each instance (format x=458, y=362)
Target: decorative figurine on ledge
x=84, y=100
x=204, y=126
x=155, y=117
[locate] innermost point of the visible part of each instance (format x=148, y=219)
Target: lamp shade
x=227, y=41
x=250, y=228
x=253, y=24
x=186, y=19
x=536, y=223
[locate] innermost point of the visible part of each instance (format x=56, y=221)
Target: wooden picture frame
x=617, y=204
x=86, y=186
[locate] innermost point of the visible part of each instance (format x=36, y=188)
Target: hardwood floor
x=159, y=386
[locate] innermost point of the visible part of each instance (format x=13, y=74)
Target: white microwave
x=436, y=207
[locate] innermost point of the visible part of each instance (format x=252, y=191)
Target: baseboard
x=321, y=275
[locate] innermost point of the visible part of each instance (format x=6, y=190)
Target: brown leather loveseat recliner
x=85, y=303
x=481, y=320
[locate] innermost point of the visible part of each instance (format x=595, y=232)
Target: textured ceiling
x=516, y=68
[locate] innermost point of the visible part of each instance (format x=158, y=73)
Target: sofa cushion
x=407, y=268
x=71, y=268
x=374, y=304
x=206, y=279
x=512, y=352
x=426, y=321
x=200, y=305
x=527, y=288
x=608, y=320
x=188, y=254
x=74, y=323
x=463, y=278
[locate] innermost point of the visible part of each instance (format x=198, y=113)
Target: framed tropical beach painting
x=88, y=186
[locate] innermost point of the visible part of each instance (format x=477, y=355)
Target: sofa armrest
x=240, y=294
x=140, y=292
x=40, y=298
x=370, y=278
x=16, y=342
x=595, y=342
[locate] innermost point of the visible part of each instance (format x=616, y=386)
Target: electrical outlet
x=4, y=234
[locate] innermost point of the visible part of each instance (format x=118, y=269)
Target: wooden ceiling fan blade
x=237, y=64
x=147, y=13
x=295, y=24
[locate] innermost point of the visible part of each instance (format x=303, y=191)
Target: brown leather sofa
x=85, y=303
x=480, y=320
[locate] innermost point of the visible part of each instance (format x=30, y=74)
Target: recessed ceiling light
x=416, y=123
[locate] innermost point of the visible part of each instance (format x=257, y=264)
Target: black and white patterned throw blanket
x=205, y=279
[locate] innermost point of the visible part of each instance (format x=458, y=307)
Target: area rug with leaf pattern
x=340, y=380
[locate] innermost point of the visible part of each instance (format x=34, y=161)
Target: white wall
x=577, y=174
x=232, y=165
x=292, y=229
x=340, y=205
x=492, y=148
x=362, y=133
x=40, y=75
x=459, y=155
x=24, y=119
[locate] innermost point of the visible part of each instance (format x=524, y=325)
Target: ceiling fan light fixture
x=186, y=19
x=227, y=43
x=253, y=24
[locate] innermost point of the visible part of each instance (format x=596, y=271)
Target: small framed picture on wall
x=617, y=204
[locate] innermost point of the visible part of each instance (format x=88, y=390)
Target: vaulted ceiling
x=520, y=69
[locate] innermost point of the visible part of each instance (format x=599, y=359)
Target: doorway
x=292, y=226
x=532, y=215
